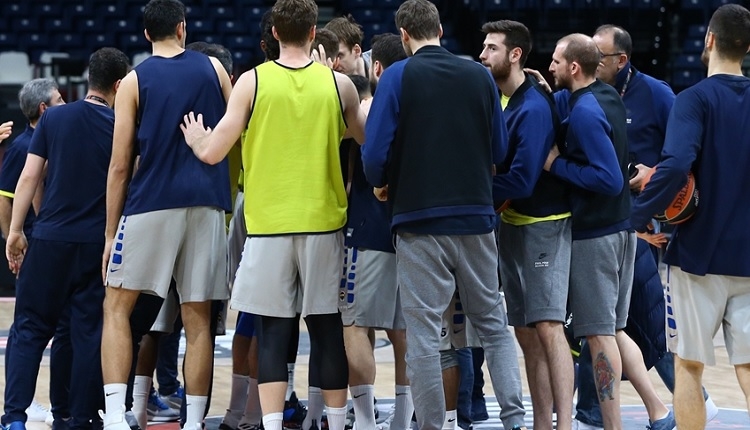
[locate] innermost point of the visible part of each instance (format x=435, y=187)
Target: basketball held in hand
x=683, y=206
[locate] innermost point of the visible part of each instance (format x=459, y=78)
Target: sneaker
x=50, y=419
x=159, y=411
x=711, y=410
x=294, y=413
x=580, y=425
x=666, y=423
x=231, y=420
x=132, y=422
x=114, y=420
x=248, y=426
x=61, y=424
x=15, y=425
x=36, y=413
x=174, y=400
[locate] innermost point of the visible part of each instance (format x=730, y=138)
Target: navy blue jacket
x=707, y=133
x=533, y=125
x=595, y=161
x=434, y=131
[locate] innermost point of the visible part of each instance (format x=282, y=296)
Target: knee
x=689, y=366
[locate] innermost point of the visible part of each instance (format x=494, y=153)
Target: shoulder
x=658, y=87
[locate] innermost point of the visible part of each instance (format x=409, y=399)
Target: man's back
x=291, y=152
x=712, y=120
x=169, y=175
x=76, y=139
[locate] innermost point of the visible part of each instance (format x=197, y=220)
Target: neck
x=510, y=85
x=720, y=66
x=294, y=56
x=32, y=124
x=416, y=45
x=582, y=83
x=167, y=48
x=109, y=98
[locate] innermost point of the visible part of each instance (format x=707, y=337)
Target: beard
x=704, y=57
x=562, y=82
x=500, y=72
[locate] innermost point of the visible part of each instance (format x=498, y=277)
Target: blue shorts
x=245, y=325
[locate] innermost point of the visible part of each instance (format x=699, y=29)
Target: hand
x=319, y=56
x=538, y=76
x=381, y=193
x=637, y=181
x=15, y=250
x=193, y=129
x=551, y=157
x=364, y=105
x=6, y=129
x=105, y=259
x=655, y=239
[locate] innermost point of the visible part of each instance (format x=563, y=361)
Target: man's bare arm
x=211, y=146
x=354, y=116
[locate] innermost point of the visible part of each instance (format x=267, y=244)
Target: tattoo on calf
x=604, y=375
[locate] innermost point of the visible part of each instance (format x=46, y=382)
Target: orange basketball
x=684, y=204
x=502, y=207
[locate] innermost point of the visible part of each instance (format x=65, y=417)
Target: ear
x=710, y=39
x=574, y=68
x=515, y=55
x=275, y=34
x=145, y=33
x=377, y=68
x=357, y=50
x=263, y=45
x=42, y=107
x=116, y=86
x=622, y=60
x=440, y=33
x=311, y=36
x=180, y=32
x=404, y=35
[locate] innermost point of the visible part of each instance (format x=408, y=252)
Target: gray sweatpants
x=430, y=268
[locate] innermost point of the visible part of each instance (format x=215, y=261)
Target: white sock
x=238, y=395
x=252, y=414
x=273, y=421
x=450, y=422
x=195, y=408
x=404, y=408
x=141, y=390
x=315, y=407
x=363, y=397
x=114, y=402
x=336, y=417
x=289, y=380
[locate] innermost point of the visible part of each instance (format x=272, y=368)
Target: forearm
x=117, y=185
x=6, y=213
x=22, y=201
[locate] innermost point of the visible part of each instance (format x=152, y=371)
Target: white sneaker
x=577, y=425
x=711, y=409
x=114, y=420
x=49, y=419
x=36, y=412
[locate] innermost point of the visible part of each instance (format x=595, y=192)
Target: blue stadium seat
x=243, y=57
x=35, y=40
x=686, y=78
x=372, y=29
x=688, y=62
x=24, y=24
x=647, y=4
x=99, y=40
x=8, y=41
x=228, y=26
x=693, y=46
x=617, y=4
x=200, y=25
x=110, y=10
x=48, y=9
x=193, y=11
x=450, y=44
x=253, y=13
x=718, y=3
x=391, y=4
x=694, y=4
x=250, y=2
x=559, y=4
x=220, y=12
x=493, y=5
x=15, y=9
x=69, y=40
x=527, y=4
x=240, y=43
x=587, y=4
x=697, y=31
x=57, y=24
x=348, y=5
x=93, y=25
x=78, y=11
x=367, y=15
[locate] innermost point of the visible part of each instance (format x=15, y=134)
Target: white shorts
x=697, y=306
x=274, y=269
x=456, y=331
x=189, y=243
x=368, y=295
x=237, y=236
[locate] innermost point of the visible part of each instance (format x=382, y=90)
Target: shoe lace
x=37, y=407
x=156, y=400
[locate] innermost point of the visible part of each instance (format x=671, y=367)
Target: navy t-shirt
x=76, y=141
x=12, y=166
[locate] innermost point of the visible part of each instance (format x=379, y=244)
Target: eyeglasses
x=602, y=56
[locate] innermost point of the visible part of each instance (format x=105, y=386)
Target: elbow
x=210, y=159
x=614, y=186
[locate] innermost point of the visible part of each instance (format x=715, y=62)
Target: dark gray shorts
x=535, y=269
x=601, y=277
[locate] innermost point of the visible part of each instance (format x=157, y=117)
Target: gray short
x=187, y=243
x=237, y=236
x=168, y=313
x=456, y=331
x=275, y=269
x=601, y=277
x=368, y=293
x=535, y=269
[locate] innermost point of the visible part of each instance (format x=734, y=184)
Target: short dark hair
x=516, y=34
x=730, y=25
x=271, y=49
x=293, y=20
x=329, y=40
x=215, y=50
x=582, y=50
x=161, y=17
x=387, y=49
x=620, y=38
x=107, y=66
x=362, y=84
x=347, y=30
x=419, y=18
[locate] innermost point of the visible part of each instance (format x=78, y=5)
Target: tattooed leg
x=604, y=375
x=607, y=367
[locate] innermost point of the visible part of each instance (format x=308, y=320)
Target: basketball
x=684, y=204
x=502, y=207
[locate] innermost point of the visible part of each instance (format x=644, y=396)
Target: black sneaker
x=294, y=413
